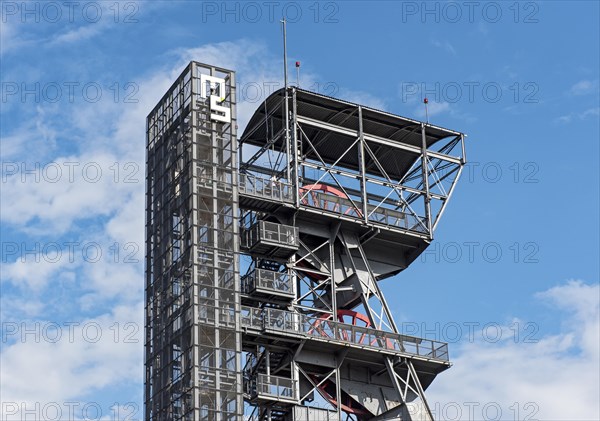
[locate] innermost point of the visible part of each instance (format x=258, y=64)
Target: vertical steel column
x=286, y=116
x=236, y=245
x=215, y=269
x=295, y=183
x=361, y=161
x=332, y=274
x=338, y=387
x=425, y=169
x=195, y=340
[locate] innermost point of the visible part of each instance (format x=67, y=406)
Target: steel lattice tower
x=263, y=300
x=193, y=332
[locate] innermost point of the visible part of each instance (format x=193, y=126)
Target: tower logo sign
x=214, y=87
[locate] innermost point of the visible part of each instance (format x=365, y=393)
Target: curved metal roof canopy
x=331, y=126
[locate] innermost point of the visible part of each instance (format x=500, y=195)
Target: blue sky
x=521, y=79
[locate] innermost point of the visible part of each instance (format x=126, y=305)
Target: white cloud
x=58, y=193
x=81, y=33
x=584, y=87
x=12, y=37
x=362, y=98
x=564, y=118
x=583, y=115
x=590, y=112
x=25, y=306
x=25, y=26
x=36, y=137
x=6, y=36
x=555, y=378
x=59, y=363
x=444, y=45
x=35, y=271
x=582, y=301
x=107, y=281
x=433, y=109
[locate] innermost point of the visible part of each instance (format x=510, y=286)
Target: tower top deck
x=398, y=139
x=372, y=170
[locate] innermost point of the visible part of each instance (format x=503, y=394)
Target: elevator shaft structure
x=193, y=334
x=262, y=281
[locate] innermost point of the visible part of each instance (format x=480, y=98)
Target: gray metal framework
x=273, y=305
x=193, y=336
x=359, y=193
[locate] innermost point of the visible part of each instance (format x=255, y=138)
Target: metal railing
x=265, y=385
x=265, y=188
x=276, y=386
x=390, y=217
x=397, y=218
x=306, y=413
x=271, y=189
x=329, y=330
x=279, y=234
x=282, y=191
x=262, y=279
x=252, y=317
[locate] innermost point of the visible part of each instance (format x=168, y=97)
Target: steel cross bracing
x=433, y=165
x=280, y=324
x=344, y=198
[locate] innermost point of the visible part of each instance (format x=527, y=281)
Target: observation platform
x=265, y=195
x=386, y=178
x=266, y=387
x=320, y=339
x=270, y=239
x=266, y=284
x=281, y=323
x=399, y=139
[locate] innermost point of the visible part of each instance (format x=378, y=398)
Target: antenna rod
x=285, y=78
x=286, y=116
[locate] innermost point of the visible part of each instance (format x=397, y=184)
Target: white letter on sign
x=217, y=95
x=219, y=112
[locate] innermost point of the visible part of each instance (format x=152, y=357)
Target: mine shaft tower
x=262, y=277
